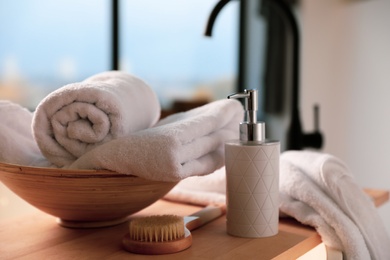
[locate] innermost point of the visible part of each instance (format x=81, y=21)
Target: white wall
x=346, y=69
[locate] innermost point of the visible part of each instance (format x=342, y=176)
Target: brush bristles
x=159, y=228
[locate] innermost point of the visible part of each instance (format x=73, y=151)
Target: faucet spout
x=213, y=16
x=296, y=138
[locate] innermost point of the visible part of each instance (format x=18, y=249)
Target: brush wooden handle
x=204, y=216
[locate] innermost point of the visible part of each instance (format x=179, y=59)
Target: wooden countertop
x=38, y=236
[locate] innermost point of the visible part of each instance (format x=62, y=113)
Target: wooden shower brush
x=166, y=234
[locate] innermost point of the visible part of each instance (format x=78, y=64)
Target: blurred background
x=344, y=64
x=47, y=44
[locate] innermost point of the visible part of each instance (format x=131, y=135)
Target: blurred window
x=47, y=44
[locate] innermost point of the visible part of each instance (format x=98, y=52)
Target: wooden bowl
x=83, y=198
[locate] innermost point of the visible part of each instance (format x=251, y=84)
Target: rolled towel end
x=80, y=116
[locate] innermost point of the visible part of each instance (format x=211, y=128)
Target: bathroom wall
x=346, y=69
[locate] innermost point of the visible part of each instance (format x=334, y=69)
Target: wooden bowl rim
x=60, y=172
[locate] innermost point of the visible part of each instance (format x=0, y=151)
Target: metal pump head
x=250, y=129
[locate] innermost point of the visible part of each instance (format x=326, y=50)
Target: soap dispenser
x=252, y=177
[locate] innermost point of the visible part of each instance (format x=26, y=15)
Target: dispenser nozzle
x=251, y=103
x=250, y=130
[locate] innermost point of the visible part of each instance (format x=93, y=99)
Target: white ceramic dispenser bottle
x=252, y=177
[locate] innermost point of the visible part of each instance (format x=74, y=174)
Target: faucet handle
x=316, y=118
x=314, y=139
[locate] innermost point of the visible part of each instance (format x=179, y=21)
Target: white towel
x=17, y=145
x=182, y=145
x=201, y=190
x=318, y=189
x=81, y=116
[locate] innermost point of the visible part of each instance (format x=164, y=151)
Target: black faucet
x=214, y=13
x=296, y=139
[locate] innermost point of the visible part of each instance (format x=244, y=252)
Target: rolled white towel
x=81, y=116
x=182, y=145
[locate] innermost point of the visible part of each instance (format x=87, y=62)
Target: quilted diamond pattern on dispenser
x=252, y=190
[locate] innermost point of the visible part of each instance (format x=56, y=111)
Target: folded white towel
x=182, y=145
x=81, y=116
x=318, y=190
x=201, y=190
x=17, y=145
